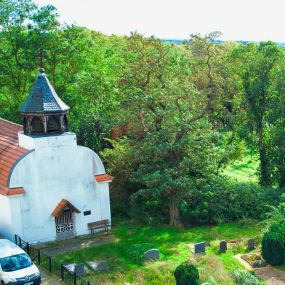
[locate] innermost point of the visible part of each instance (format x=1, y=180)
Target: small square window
x=87, y=213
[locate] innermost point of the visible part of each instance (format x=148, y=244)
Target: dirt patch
x=269, y=274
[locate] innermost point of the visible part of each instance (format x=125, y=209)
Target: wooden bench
x=104, y=224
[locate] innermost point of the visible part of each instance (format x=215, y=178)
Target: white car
x=16, y=267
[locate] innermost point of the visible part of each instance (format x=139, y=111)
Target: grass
x=173, y=244
x=245, y=169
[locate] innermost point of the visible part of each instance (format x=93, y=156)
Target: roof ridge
x=12, y=123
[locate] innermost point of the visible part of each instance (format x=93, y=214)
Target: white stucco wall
x=5, y=218
x=56, y=169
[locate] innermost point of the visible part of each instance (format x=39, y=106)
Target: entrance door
x=65, y=225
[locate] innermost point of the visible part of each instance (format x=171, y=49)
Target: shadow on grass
x=172, y=242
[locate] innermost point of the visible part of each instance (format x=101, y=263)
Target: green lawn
x=173, y=244
x=245, y=169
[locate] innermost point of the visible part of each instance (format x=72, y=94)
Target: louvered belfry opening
x=37, y=125
x=43, y=111
x=53, y=124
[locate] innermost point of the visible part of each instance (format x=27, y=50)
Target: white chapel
x=50, y=187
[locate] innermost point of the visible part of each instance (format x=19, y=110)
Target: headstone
x=79, y=269
x=200, y=248
x=250, y=244
x=99, y=265
x=223, y=246
x=152, y=254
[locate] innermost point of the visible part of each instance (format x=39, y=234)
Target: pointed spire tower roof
x=43, y=111
x=43, y=98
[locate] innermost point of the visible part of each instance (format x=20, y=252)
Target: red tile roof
x=10, y=152
x=103, y=178
x=61, y=206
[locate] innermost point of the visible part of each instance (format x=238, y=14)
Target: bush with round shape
x=273, y=247
x=187, y=274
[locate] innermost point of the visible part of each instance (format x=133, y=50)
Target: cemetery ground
x=173, y=244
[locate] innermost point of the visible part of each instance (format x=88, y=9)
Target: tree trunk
x=265, y=177
x=174, y=216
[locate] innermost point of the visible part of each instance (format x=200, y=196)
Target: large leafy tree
x=257, y=63
x=19, y=21
x=171, y=142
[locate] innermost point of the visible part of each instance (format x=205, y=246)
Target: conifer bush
x=273, y=247
x=187, y=274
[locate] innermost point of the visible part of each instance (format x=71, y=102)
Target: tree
x=174, y=147
x=19, y=19
x=256, y=65
x=215, y=77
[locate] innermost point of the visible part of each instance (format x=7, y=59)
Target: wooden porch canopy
x=61, y=206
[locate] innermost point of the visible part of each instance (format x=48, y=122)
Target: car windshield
x=15, y=262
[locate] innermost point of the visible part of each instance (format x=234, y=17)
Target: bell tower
x=43, y=111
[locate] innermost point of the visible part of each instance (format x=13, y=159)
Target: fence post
x=20, y=242
x=62, y=272
x=28, y=248
x=16, y=239
x=74, y=278
x=49, y=263
x=39, y=256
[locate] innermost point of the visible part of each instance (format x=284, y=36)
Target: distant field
x=244, y=170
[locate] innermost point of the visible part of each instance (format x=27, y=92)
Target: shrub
x=244, y=277
x=136, y=252
x=187, y=274
x=273, y=246
x=219, y=200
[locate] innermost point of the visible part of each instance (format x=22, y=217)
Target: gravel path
x=75, y=244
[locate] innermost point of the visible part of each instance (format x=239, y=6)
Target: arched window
x=53, y=125
x=37, y=125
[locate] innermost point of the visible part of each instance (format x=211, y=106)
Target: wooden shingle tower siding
x=43, y=111
x=10, y=153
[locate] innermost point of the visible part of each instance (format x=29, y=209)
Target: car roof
x=8, y=248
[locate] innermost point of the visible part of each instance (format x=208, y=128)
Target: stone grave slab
x=100, y=265
x=250, y=244
x=200, y=248
x=223, y=246
x=152, y=254
x=79, y=268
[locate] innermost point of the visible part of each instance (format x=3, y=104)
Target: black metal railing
x=51, y=264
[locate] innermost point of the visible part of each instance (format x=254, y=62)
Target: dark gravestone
x=223, y=246
x=200, y=248
x=79, y=269
x=152, y=254
x=250, y=244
